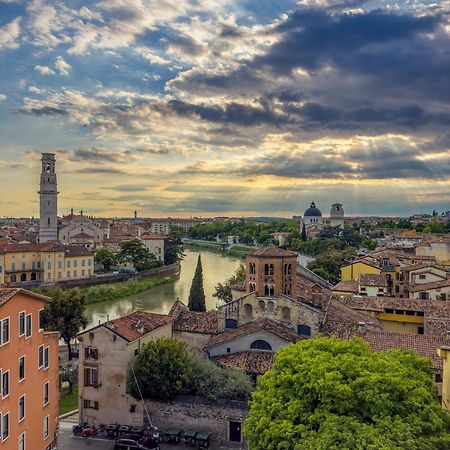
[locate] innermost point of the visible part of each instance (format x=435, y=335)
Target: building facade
x=29, y=374
x=48, y=198
x=44, y=262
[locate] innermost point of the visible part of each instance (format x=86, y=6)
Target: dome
x=312, y=211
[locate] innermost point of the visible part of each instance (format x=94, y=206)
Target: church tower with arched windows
x=271, y=272
x=48, y=196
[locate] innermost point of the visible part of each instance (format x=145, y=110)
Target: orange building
x=29, y=371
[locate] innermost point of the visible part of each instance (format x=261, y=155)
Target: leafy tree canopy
x=135, y=252
x=105, y=257
x=214, y=382
x=331, y=394
x=223, y=290
x=65, y=313
x=175, y=251
x=163, y=369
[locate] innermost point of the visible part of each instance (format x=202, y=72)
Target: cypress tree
x=197, y=294
x=303, y=236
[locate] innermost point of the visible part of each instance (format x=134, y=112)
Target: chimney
x=362, y=327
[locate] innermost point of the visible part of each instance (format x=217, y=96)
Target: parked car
x=130, y=270
x=129, y=444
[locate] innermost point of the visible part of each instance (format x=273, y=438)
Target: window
x=4, y=331
x=89, y=262
x=90, y=377
x=68, y=274
x=46, y=357
x=423, y=295
x=74, y=273
x=46, y=427
x=5, y=384
x=286, y=314
x=420, y=330
x=304, y=330
x=59, y=265
x=21, y=368
x=28, y=323
x=46, y=393
x=68, y=263
x=90, y=352
x=268, y=269
x=271, y=306
x=5, y=426
x=438, y=378
x=90, y=404
x=248, y=311
x=260, y=345
x=49, y=265
x=269, y=290
x=75, y=263
x=422, y=276
x=83, y=262
x=252, y=268
x=287, y=269
x=13, y=268
x=231, y=323
x=22, y=441
x=41, y=357
x=21, y=408
x=22, y=323
x=252, y=287
x=41, y=319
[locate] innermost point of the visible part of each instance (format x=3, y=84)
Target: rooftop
x=248, y=361
x=196, y=322
x=268, y=325
x=273, y=251
x=347, y=286
x=137, y=324
x=372, y=279
x=7, y=294
x=433, y=285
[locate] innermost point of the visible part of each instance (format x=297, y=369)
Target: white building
x=155, y=244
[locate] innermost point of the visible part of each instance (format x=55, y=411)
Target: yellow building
x=44, y=262
x=353, y=270
x=444, y=353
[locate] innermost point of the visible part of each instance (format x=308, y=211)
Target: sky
x=226, y=107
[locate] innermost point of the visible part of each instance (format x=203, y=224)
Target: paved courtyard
x=68, y=442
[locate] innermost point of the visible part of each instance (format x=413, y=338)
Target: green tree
x=175, y=251
x=105, y=257
x=223, y=290
x=214, y=382
x=66, y=314
x=303, y=236
x=331, y=394
x=135, y=252
x=328, y=263
x=162, y=370
x=197, y=294
x=69, y=374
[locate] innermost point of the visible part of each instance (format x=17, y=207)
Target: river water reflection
x=216, y=268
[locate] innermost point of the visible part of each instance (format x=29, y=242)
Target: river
x=216, y=268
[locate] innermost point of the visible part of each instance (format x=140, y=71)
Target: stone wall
x=194, y=413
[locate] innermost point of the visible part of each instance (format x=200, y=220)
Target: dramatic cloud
x=9, y=34
x=62, y=67
x=44, y=70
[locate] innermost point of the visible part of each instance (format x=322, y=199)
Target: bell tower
x=48, y=196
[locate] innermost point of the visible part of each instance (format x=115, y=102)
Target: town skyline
x=226, y=108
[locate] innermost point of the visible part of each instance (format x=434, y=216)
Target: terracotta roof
x=341, y=321
x=77, y=250
x=196, y=322
x=272, y=251
x=149, y=236
x=347, y=286
x=7, y=294
x=82, y=236
x=363, y=261
x=137, y=324
x=432, y=285
x=268, y=325
x=372, y=279
x=425, y=345
x=249, y=361
x=420, y=266
x=431, y=308
x=177, y=307
x=70, y=250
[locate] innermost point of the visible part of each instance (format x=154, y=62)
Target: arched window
x=252, y=287
x=287, y=269
x=252, y=268
x=13, y=278
x=260, y=345
x=269, y=290
x=271, y=306
x=304, y=330
x=248, y=311
x=33, y=276
x=268, y=269
x=231, y=323
x=286, y=313
x=261, y=305
x=287, y=289
x=23, y=277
